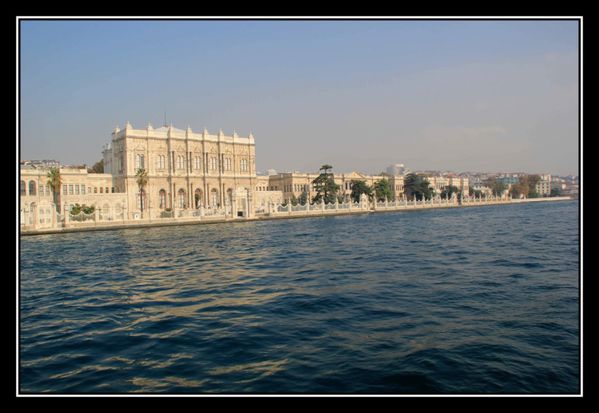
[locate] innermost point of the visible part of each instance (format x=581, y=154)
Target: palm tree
x=54, y=182
x=142, y=181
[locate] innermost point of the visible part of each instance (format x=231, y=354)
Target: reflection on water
x=475, y=300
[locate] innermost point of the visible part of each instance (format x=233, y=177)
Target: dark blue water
x=471, y=300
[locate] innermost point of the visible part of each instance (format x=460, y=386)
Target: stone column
x=289, y=207
x=66, y=215
x=233, y=204
x=96, y=215
x=250, y=202
x=35, y=216
x=322, y=204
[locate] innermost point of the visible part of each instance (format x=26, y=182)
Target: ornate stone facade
x=185, y=169
x=78, y=187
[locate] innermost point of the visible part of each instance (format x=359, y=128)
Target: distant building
x=543, y=187
x=397, y=169
x=44, y=164
x=509, y=180
x=293, y=184
x=77, y=187
x=440, y=182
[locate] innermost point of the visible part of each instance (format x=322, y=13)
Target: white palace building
x=185, y=169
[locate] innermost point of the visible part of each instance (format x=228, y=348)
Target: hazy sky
x=359, y=95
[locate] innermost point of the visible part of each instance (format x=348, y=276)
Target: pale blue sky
x=459, y=95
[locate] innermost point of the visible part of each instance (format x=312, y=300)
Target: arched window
x=160, y=162
x=198, y=163
x=23, y=188
x=243, y=165
x=229, y=198
x=31, y=187
x=181, y=198
x=162, y=197
x=139, y=161
x=179, y=162
x=214, y=198
x=198, y=198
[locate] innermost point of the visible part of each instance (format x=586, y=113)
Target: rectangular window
x=101, y=190
x=64, y=189
x=83, y=189
x=139, y=162
x=76, y=189
x=70, y=189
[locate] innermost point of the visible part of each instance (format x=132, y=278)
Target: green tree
x=358, y=188
x=417, y=186
x=141, y=177
x=533, y=180
x=88, y=209
x=556, y=192
x=55, y=182
x=293, y=200
x=475, y=192
x=75, y=209
x=449, y=190
x=98, y=167
x=496, y=186
x=303, y=198
x=382, y=190
x=325, y=186
x=526, y=186
x=518, y=189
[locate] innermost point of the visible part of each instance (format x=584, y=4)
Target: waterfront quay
x=96, y=222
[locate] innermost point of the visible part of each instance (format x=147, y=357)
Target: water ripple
x=477, y=300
